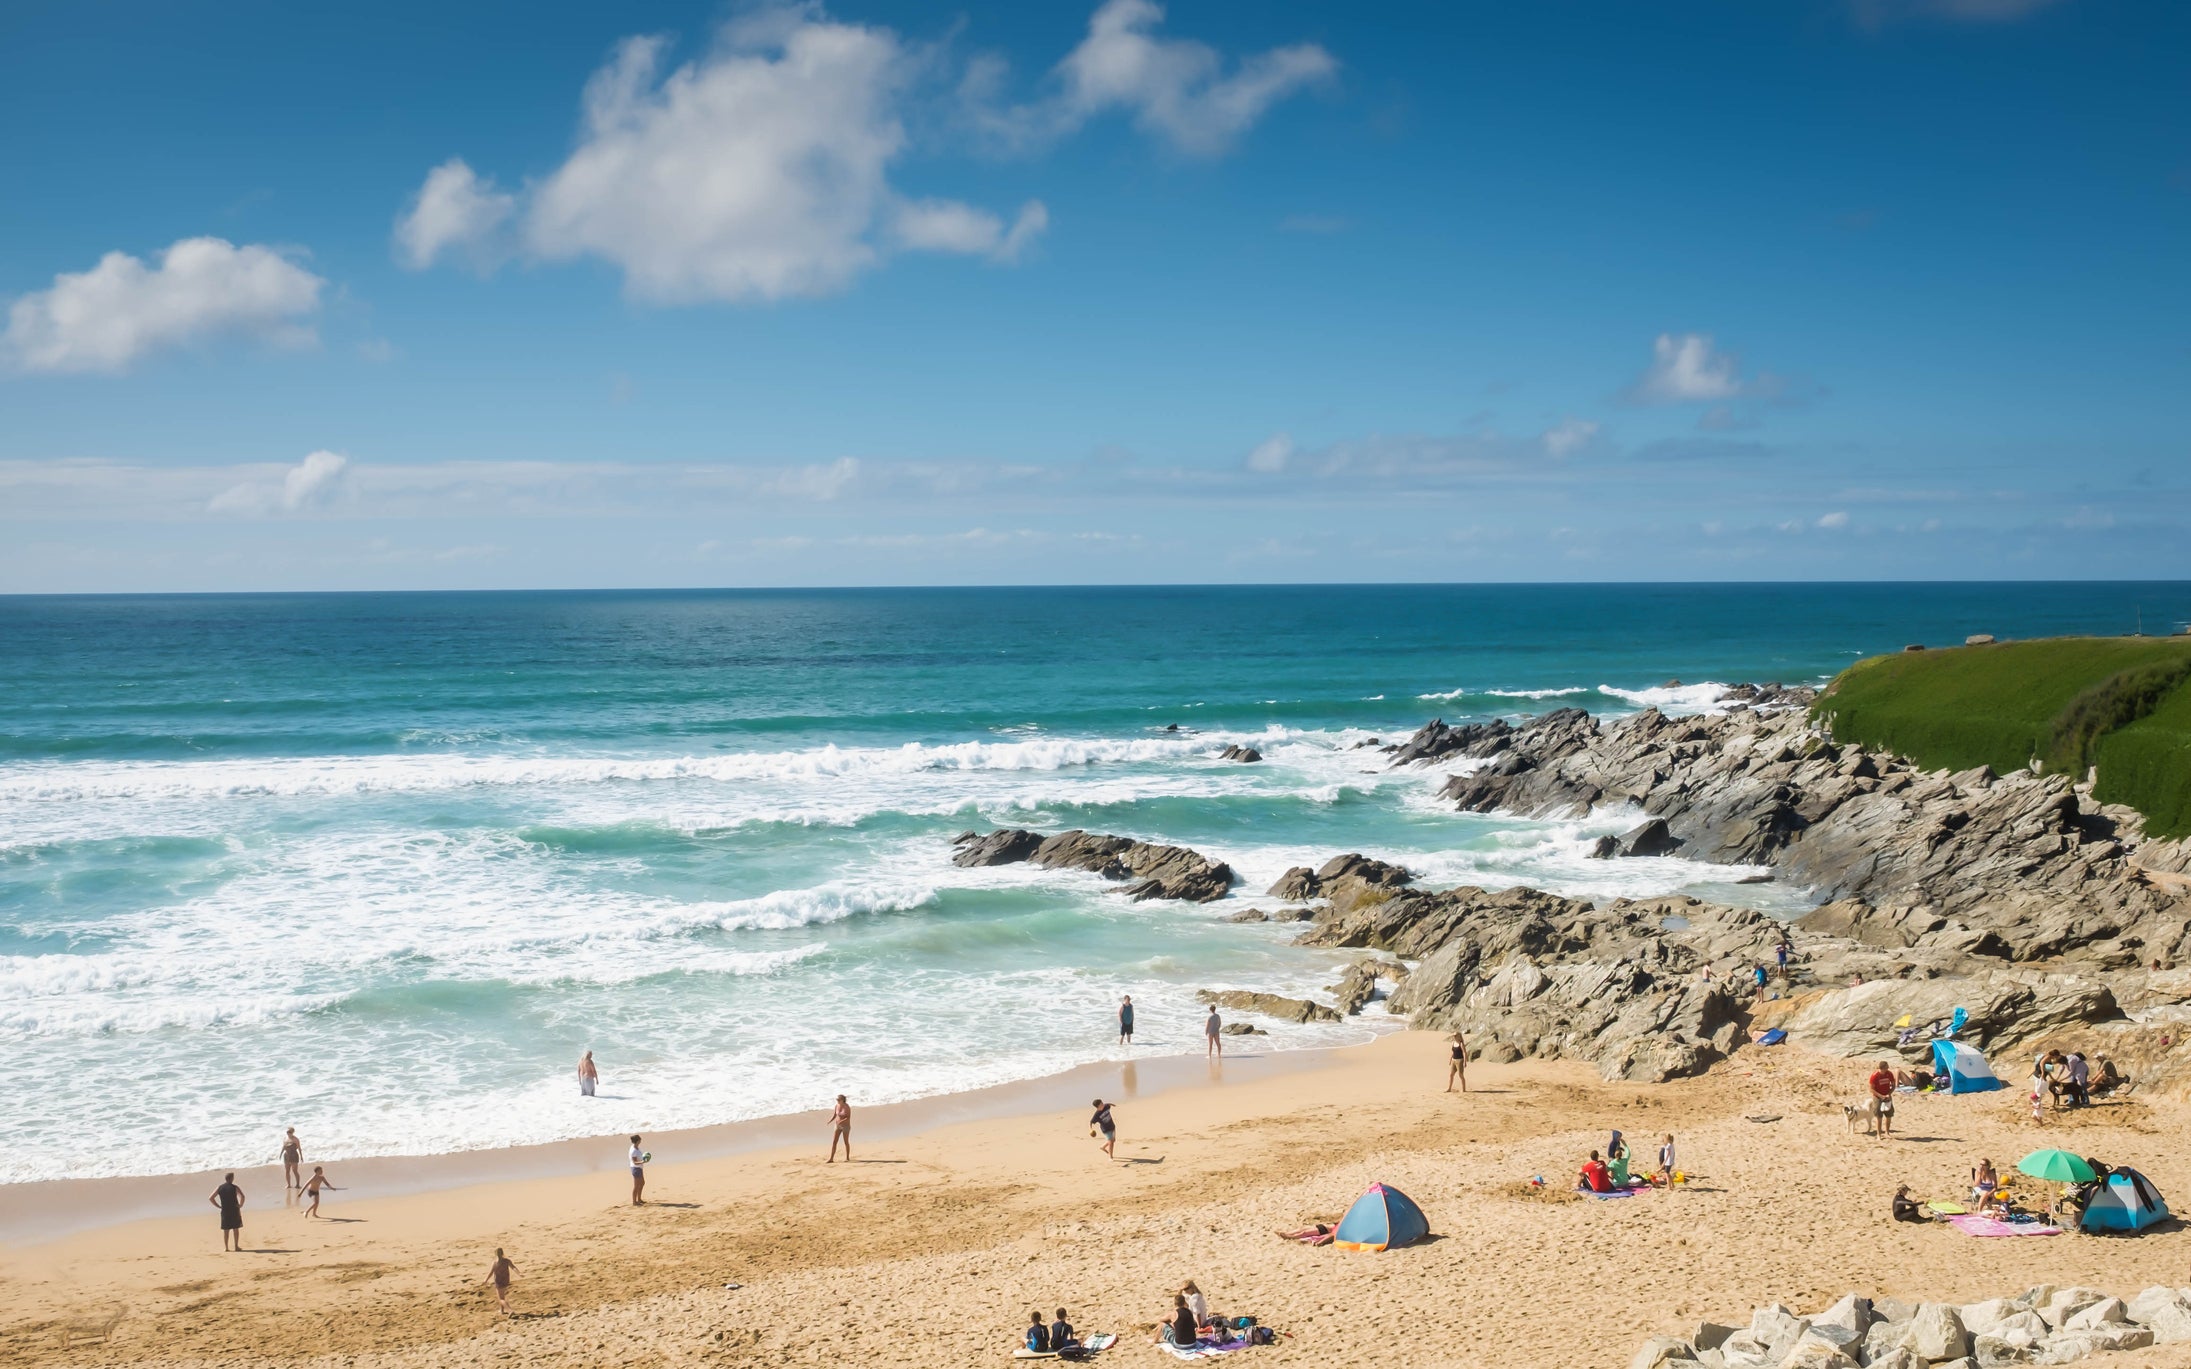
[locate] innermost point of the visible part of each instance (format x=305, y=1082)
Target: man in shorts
x=1882, y=1099
x=1126, y=1020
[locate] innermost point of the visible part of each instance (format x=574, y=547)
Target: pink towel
x=1971, y=1224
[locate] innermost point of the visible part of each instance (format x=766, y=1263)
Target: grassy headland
x=2120, y=703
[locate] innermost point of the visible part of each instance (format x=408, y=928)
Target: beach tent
x=2126, y=1202
x=1380, y=1218
x=1963, y=1067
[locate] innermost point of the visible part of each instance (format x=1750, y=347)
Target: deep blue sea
x=379, y=866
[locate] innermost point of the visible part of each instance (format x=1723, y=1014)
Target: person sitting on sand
x=1061, y=1333
x=314, y=1186
x=1985, y=1187
x=1319, y=1233
x=2109, y=1078
x=1182, y=1330
x=500, y=1276
x=1595, y=1177
x=1195, y=1301
x=1906, y=1208
x=1038, y=1334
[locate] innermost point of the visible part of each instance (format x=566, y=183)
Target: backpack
x=1261, y=1335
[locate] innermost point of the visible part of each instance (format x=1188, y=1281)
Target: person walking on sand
x=638, y=1174
x=1126, y=1020
x=1457, y=1071
x=500, y=1276
x=840, y=1129
x=1213, y=1028
x=292, y=1158
x=229, y=1199
x=1882, y=1100
x=314, y=1186
x=1102, y=1124
x=588, y=1075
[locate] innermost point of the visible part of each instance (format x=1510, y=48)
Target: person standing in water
x=1102, y=1124
x=840, y=1129
x=1457, y=1072
x=1213, y=1028
x=588, y=1076
x=292, y=1160
x=229, y=1199
x=500, y=1276
x=314, y=1186
x=1126, y=1020
x=638, y=1174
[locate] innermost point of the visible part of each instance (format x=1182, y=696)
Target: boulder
x=1605, y=848
x=1893, y=1358
x=1249, y=915
x=1710, y=1336
x=1297, y=885
x=1936, y=1333
x=1810, y=1352
x=1990, y=1351
x=2166, y=1312
x=1156, y=871
x=1652, y=837
x=2065, y=1346
x=1777, y=1329
x=1246, y=755
x=2106, y=1312
x=2065, y=1303
x=1660, y=1351
x=1269, y=1005
x=1979, y=1318
x=1852, y=1314
x=1241, y=1029
x=1006, y=847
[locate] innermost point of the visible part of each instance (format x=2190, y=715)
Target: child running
x=313, y=1188
x=500, y=1276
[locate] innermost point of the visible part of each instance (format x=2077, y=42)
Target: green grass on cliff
x=2121, y=703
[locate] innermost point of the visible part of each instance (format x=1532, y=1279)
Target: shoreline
x=47, y=1210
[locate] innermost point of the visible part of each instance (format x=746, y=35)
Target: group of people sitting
x=2072, y=1081
x=1610, y=1173
x=1190, y=1321
x=1055, y=1338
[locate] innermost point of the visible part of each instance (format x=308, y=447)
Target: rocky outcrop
x=1355, y=872
x=2043, y=1325
x=1246, y=755
x=2029, y=859
x=1269, y=1005
x=1154, y=871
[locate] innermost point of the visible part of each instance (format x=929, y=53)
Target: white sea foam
x=1695, y=698
x=1559, y=692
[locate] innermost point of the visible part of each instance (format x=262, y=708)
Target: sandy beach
x=934, y=1246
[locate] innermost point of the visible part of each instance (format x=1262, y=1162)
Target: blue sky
x=883, y=293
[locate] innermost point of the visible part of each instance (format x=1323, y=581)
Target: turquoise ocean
x=379, y=866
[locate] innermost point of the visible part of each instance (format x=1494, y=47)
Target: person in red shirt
x=1882, y=1099
x=1595, y=1176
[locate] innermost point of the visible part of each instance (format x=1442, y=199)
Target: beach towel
x=1971, y=1224
x=1616, y=1193
x=1204, y=1351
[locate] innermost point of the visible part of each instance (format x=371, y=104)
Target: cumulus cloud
x=453, y=209
x=1271, y=454
x=307, y=485
x=1833, y=522
x=123, y=309
x=758, y=171
x=1686, y=367
x=1173, y=88
x=1569, y=436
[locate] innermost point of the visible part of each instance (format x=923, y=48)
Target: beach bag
x=1243, y=1323
x=1261, y=1335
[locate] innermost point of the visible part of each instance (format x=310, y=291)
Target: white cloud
x=1686, y=367
x=758, y=171
x=307, y=485
x=1835, y=521
x=1569, y=436
x=1174, y=88
x=1271, y=454
x=454, y=208
x=107, y=318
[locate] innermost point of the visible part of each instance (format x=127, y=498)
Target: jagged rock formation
x=1268, y=1005
x=1246, y=755
x=1156, y=871
x=1300, y=884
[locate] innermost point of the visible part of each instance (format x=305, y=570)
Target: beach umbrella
x=2057, y=1165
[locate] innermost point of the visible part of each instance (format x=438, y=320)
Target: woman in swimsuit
x=1458, y=1070
x=1102, y=1122
x=1318, y=1234
x=292, y=1156
x=1985, y=1185
x=499, y=1276
x=313, y=1187
x=840, y=1129
x=229, y=1199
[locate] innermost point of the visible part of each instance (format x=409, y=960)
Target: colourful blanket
x=1205, y=1350
x=1971, y=1224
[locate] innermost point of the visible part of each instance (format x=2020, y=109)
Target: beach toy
x=2057, y=1165
x=646, y=1157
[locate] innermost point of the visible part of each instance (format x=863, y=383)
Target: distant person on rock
x=1126, y=1020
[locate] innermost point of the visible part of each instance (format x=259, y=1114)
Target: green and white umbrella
x=2057, y=1165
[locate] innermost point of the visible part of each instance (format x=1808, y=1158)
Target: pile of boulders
x=2044, y=1325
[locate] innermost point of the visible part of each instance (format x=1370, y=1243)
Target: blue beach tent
x=1381, y=1218
x=1963, y=1067
x=2126, y=1202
